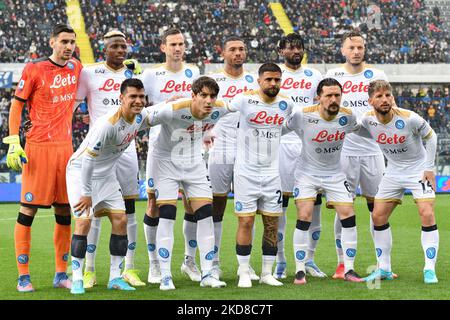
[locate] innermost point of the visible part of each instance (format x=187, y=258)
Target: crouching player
x=92, y=184
x=400, y=134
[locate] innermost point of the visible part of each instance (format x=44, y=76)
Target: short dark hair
x=61, y=27
x=327, y=82
x=229, y=39
x=132, y=82
x=292, y=38
x=170, y=32
x=268, y=67
x=207, y=82
x=351, y=34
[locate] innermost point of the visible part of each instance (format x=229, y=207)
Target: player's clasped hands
x=84, y=204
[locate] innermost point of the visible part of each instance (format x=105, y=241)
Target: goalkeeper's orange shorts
x=44, y=175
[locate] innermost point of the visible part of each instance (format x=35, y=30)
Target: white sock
x=281, y=257
x=116, y=264
x=150, y=238
x=92, y=243
x=349, y=245
x=190, y=238
x=337, y=238
x=132, y=237
x=164, y=245
x=267, y=265
x=383, y=247
x=77, y=268
x=300, y=248
x=430, y=245
x=314, y=233
x=244, y=263
x=217, y=239
x=205, y=238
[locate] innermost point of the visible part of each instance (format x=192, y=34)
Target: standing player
x=232, y=80
x=300, y=84
x=362, y=160
x=177, y=160
x=92, y=182
x=172, y=78
x=323, y=128
x=100, y=83
x=48, y=87
x=400, y=134
x=257, y=184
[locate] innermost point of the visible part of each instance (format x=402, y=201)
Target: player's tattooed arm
x=270, y=231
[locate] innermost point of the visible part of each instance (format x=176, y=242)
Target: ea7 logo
x=338, y=74
x=314, y=121
x=372, y=123
x=99, y=71
x=251, y=101
x=160, y=73
x=221, y=79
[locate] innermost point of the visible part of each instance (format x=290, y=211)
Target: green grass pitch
x=407, y=260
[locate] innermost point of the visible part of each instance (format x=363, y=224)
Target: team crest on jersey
x=128, y=73
x=151, y=184
x=188, y=73
x=215, y=115
x=296, y=192
x=368, y=74
x=249, y=78
x=238, y=206
x=70, y=65
x=283, y=105
x=139, y=118
x=21, y=84
x=399, y=124
x=308, y=73
x=29, y=196
x=343, y=120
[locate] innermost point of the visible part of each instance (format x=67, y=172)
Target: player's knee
x=130, y=206
x=203, y=212
x=246, y=223
x=63, y=220
x=78, y=246
x=285, y=201
x=349, y=222
x=150, y=221
x=426, y=213
x=118, y=245
x=25, y=220
x=168, y=211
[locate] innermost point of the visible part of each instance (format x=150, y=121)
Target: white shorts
x=289, y=156
x=127, y=172
x=221, y=176
x=149, y=178
x=392, y=189
x=168, y=178
x=106, y=194
x=365, y=172
x=253, y=194
x=336, y=188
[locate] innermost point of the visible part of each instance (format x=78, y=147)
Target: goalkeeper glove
x=15, y=155
x=133, y=65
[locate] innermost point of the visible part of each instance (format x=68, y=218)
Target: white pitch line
x=37, y=216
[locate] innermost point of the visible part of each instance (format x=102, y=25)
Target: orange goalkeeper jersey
x=49, y=91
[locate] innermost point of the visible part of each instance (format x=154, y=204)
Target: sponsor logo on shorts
x=399, y=124
x=132, y=246
x=238, y=206
x=308, y=73
x=97, y=146
x=350, y=253
x=296, y=192
x=343, y=120
x=128, y=73
x=75, y=265
x=379, y=252
x=316, y=235
x=283, y=105
x=139, y=118
x=70, y=65
x=210, y=255
x=163, y=253
x=151, y=184
x=368, y=74
x=91, y=248
x=151, y=247
x=338, y=243
x=188, y=73
x=300, y=254
x=249, y=78
x=29, y=196
x=22, y=259
x=215, y=115
x=431, y=253
x=192, y=243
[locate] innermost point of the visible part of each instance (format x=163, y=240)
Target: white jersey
x=355, y=96
x=225, y=130
x=101, y=86
x=301, y=86
x=322, y=140
x=108, y=139
x=401, y=141
x=259, y=132
x=181, y=136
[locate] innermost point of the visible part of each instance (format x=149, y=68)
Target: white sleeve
x=422, y=128
x=291, y=123
x=430, y=147
x=362, y=130
x=160, y=113
x=235, y=104
x=83, y=86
